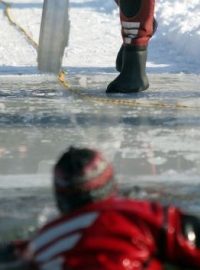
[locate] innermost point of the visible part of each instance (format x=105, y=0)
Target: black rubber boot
x=119, y=59
x=133, y=76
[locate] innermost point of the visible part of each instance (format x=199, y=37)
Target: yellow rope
x=18, y=27
x=113, y=101
x=124, y=102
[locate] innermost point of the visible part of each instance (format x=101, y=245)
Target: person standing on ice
x=137, y=27
x=99, y=230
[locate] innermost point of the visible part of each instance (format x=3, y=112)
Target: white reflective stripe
x=132, y=36
x=51, y=234
x=53, y=265
x=131, y=31
x=131, y=24
x=63, y=245
x=127, y=40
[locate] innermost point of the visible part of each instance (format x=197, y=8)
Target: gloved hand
x=191, y=229
x=181, y=239
x=7, y=252
x=9, y=260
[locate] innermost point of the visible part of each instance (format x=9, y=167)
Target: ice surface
x=147, y=139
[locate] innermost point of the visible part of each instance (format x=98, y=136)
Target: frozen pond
x=154, y=144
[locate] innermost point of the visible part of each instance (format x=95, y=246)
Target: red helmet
x=81, y=176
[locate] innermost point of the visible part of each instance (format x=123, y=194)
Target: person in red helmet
x=99, y=230
x=137, y=27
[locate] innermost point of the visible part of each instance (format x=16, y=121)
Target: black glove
x=191, y=229
x=7, y=252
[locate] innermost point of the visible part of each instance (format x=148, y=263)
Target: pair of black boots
x=131, y=63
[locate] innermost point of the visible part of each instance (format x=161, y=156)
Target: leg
x=137, y=21
x=137, y=24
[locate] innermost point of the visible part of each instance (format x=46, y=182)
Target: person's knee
x=130, y=8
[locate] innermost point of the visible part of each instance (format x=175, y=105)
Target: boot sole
x=131, y=91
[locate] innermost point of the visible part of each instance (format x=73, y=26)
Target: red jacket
x=114, y=234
